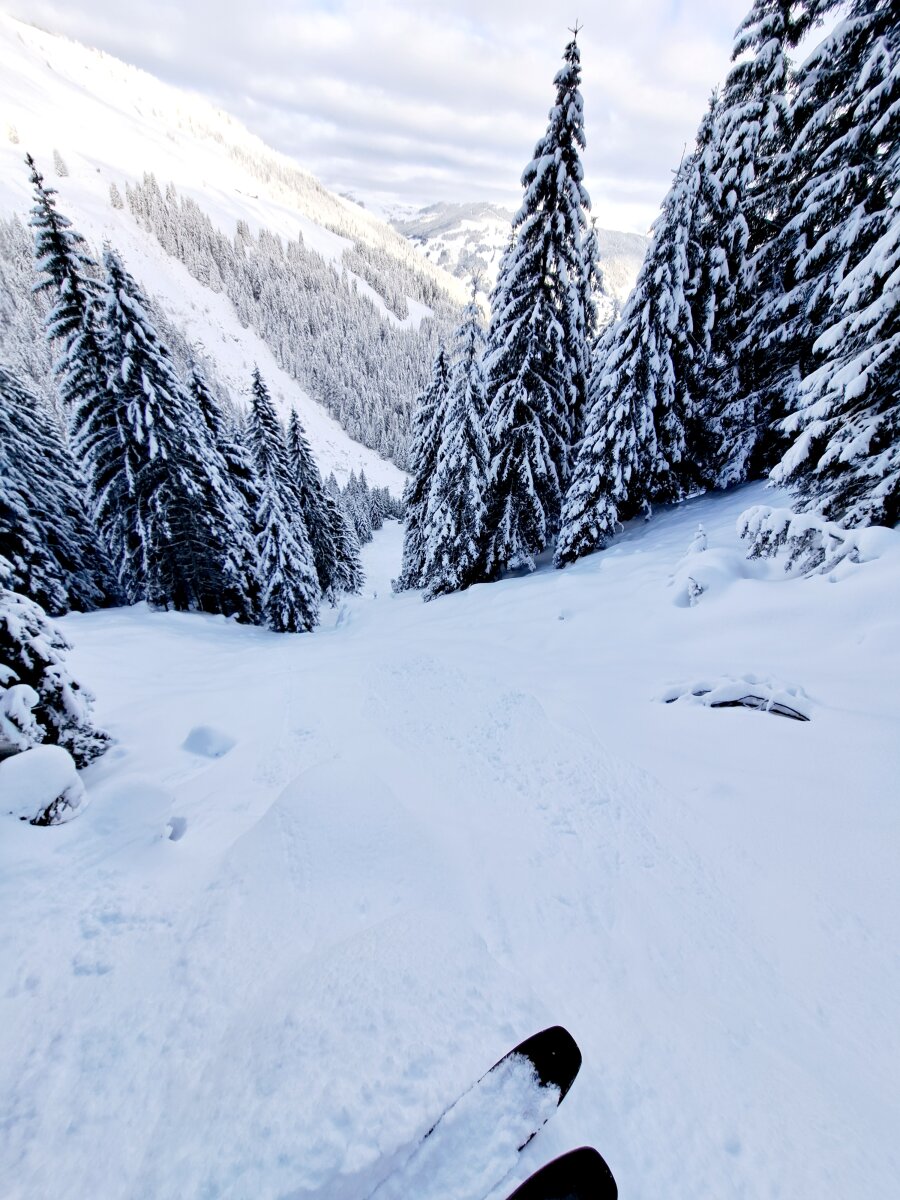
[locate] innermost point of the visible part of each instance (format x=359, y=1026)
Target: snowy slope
x=470, y=238
x=111, y=123
x=442, y=826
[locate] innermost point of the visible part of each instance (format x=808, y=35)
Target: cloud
x=416, y=101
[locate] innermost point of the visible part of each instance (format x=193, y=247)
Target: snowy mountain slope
x=465, y=239
x=121, y=121
x=442, y=826
x=111, y=123
x=470, y=238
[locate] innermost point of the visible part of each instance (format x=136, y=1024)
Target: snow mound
x=705, y=572
x=208, y=742
x=747, y=691
x=41, y=785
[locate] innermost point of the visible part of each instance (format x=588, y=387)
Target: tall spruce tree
x=336, y=559
x=46, y=532
x=426, y=437
x=74, y=323
x=739, y=384
x=228, y=435
x=844, y=222
x=454, y=526
x=229, y=511
x=147, y=462
x=633, y=453
x=346, y=540
x=542, y=320
x=290, y=588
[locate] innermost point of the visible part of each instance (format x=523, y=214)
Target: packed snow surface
x=442, y=827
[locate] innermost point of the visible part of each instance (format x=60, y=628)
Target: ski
x=474, y=1145
x=579, y=1175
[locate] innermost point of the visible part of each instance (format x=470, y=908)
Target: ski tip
x=555, y=1055
x=581, y=1174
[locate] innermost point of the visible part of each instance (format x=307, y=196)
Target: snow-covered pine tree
x=355, y=497
x=164, y=502
x=426, y=436
x=633, y=451
x=127, y=444
x=454, y=523
x=75, y=325
x=542, y=320
x=844, y=457
x=337, y=560
x=738, y=382
x=228, y=435
x=345, y=538
x=289, y=599
x=229, y=512
x=33, y=655
x=46, y=532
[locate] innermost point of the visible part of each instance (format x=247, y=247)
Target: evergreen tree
x=46, y=532
x=427, y=425
x=70, y=276
x=845, y=219
x=155, y=475
x=355, y=499
x=345, y=539
x=33, y=656
x=456, y=507
x=739, y=382
x=290, y=587
x=634, y=450
x=336, y=559
x=542, y=320
x=229, y=512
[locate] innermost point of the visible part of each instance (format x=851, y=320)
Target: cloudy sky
x=413, y=101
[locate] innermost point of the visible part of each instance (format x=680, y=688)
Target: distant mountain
x=464, y=239
x=467, y=239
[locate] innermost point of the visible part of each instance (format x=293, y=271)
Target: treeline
x=762, y=336
x=323, y=331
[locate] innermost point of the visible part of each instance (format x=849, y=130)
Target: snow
x=208, y=742
x=442, y=827
x=35, y=779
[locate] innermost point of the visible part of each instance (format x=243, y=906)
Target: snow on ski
x=474, y=1144
x=579, y=1175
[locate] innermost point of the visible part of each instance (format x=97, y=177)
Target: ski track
x=441, y=827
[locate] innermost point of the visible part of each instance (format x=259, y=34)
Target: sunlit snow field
x=263, y=965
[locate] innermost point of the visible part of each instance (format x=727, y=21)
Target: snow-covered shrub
x=704, y=572
x=34, y=679
x=59, y=164
x=806, y=542
x=699, y=541
x=41, y=785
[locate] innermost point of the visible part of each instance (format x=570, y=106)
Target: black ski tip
x=579, y=1175
x=555, y=1055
